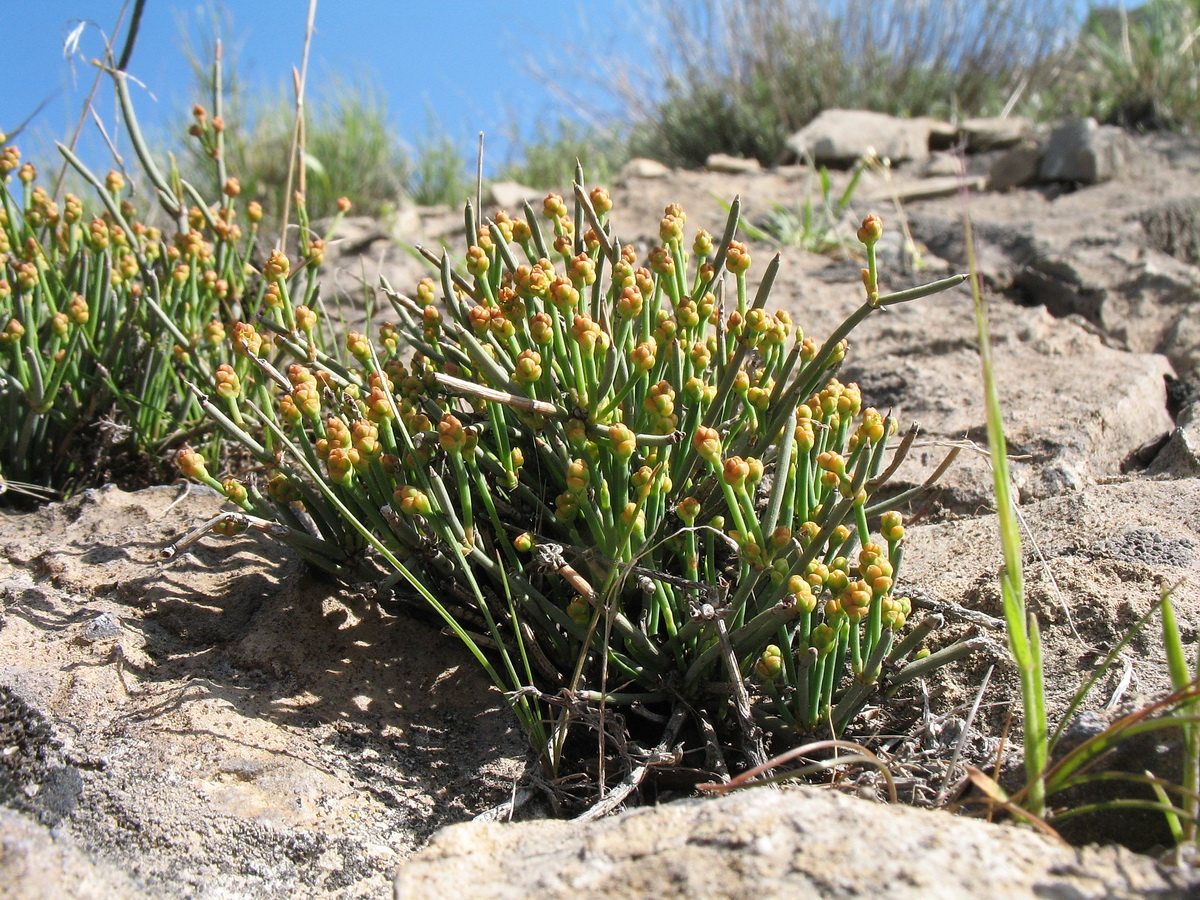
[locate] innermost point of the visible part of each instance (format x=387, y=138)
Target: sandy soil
x=223, y=718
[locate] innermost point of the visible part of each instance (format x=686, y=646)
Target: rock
x=1179, y=151
x=1182, y=341
x=361, y=249
x=1180, y=457
x=34, y=776
x=1174, y=228
x=942, y=165
x=1016, y=166
x=1083, y=151
x=925, y=188
x=220, y=754
x=799, y=842
x=943, y=135
x=731, y=165
x=104, y=627
x=38, y=865
x=841, y=137
x=353, y=234
x=643, y=168
x=994, y=133
x=510, y=195
x=1058, y=446
x=1069, y=253
x=1147, y=304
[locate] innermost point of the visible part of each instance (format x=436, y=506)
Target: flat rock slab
x=840, y=137
x=795, y=843
x=1075, y=409
x=1111, y=255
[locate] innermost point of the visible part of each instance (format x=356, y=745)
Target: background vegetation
x=741, y=77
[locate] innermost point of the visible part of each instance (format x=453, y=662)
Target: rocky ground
x=224, y=726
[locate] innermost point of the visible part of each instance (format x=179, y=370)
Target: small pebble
x=105, y=627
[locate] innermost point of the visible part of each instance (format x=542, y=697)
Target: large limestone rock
x=640, y=168
x=1075, y=409
x=1015, y=166
x=994, y=133
x=795, y=843
x=36, y=865
x=1092, y=254
x=731, y=165
x=840, y=137
x=511, y=195
x=246, y=732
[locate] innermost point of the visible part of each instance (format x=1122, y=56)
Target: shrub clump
x=644, y=488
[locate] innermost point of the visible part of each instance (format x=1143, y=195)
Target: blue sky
x=466, y=59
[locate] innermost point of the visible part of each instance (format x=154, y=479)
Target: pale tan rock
x=796, y=843
x=1084, y=151
x=643, y=168
x=1016, y=166
x=34, y=865
x=731, y=165
x=1075, y=409
x=511, y=195
x=840, y=137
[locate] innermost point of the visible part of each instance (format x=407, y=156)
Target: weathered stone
x=841, y=137
x=943, y=135
x=1121, y=398
x=800, y=842
x=994, y=133
x=104, y=627
x=942, y=165
x=1077, y=261
x=362, y=249
x=1015, y=166
x=643, y=168
x=510, y=195
x=731, y=165
x=1084, y=151
x=909, y=190
x=36, y=865
x=1180, y=456
x=1181, y=340
x=1174, y=228
x=250, y=775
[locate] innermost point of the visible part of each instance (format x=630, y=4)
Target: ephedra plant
x=104, y=318
x=628, y=485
